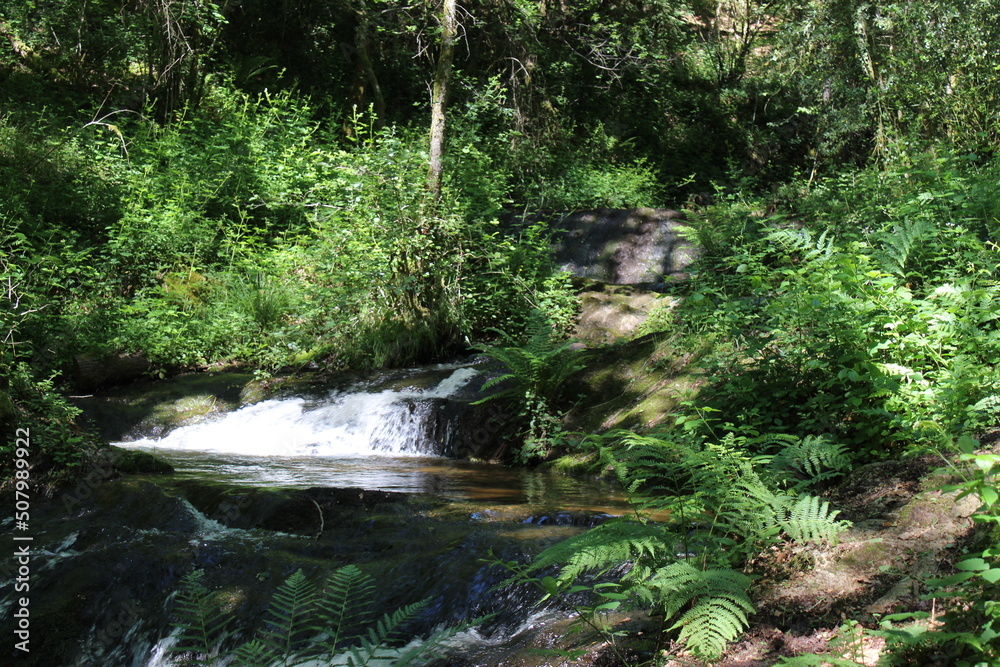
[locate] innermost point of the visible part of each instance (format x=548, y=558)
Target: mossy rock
x=577, y=463
x=615, y=313
x=135, y=462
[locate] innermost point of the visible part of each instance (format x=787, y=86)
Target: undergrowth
x=704, y=506
x=535, y=376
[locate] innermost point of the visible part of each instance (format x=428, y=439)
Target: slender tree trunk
x=439, y=95
x=364, y=56
x=364, y=71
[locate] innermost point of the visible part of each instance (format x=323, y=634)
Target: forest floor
x=905, y=530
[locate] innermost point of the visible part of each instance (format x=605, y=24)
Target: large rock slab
x=624, y=246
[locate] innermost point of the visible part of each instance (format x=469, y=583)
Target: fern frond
x=718, y=601
x=811, y=520
x=901, y=246
x=253, y=654
x=607, y=546
x=386, y=630
x=710, y=625
x=200, y=621
x=419, y=651
x=809, y=461
x=345, y=604
x=287, y=615
x=800, y=242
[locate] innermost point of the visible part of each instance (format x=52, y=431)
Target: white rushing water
x=359, y=423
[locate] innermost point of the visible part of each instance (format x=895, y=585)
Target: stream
x=364, y=472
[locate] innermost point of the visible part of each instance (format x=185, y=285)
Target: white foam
x=350, y=424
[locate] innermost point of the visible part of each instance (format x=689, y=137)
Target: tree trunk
x=364, y=72
x=439, y=95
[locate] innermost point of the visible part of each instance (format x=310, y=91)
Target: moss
x=869, y=555
x=646, y=380
x=133, y=462
x=576, y=463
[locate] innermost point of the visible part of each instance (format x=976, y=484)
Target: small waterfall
x=396, y=422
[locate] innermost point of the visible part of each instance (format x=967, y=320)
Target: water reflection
x=459, y=481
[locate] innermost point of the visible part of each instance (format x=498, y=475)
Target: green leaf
x=954, y=579
x=972, y=564
x=992, y=576
x=967, y=444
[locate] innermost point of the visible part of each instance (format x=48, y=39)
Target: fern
x=811, y=520
x=201, y=623
x=724, y=506
x=296, y=609
x=253, y=653
x=535, y=375
x=605, y=547
x=801, y=242
x=901, y=247
x=806, y=462
x=845, y=649
x=386, y=630
x=718, y=601
x=541, y=366
x=347, y=603
x=286, y=615
x=730, y=495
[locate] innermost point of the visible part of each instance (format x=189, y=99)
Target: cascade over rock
x=430, y=411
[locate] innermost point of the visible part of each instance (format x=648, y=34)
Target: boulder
x=624, y=246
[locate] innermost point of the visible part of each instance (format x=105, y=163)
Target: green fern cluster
x=303, y=623
x=726, y=491
x=535, y=376
x=541, y=366
x=718, y=504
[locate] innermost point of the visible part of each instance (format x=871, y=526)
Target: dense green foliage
x=243, y=181
x=213, y=182
x=868, y=310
